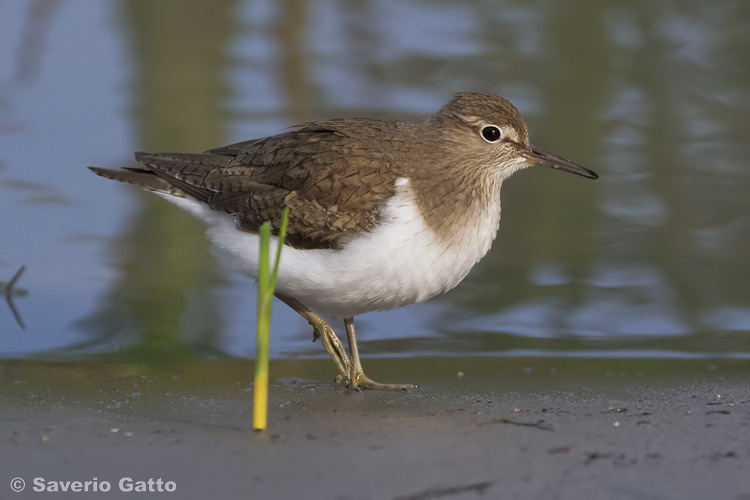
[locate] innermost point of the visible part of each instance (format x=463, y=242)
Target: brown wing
x=333, y=181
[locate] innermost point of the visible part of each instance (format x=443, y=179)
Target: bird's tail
x=140, y=177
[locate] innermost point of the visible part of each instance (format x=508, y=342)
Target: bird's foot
x=358, y=381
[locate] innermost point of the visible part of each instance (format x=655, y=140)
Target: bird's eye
x=491, y=133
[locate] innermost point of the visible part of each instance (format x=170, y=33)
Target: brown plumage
x=306, y=169
x=333, y=175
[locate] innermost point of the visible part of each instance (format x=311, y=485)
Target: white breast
x=401, y=262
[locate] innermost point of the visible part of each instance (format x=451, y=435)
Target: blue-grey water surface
x=651, y=260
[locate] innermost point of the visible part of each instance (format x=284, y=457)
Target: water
x=649, y=261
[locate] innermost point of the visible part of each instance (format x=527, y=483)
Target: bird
x=382, y=213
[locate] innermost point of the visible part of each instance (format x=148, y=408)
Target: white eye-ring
x=491, y=133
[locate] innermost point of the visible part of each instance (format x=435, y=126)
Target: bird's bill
x=538, y=156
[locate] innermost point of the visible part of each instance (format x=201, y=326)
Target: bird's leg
x=357, y=378
x=324, y=331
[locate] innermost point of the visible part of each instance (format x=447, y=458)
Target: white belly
x=401, y=262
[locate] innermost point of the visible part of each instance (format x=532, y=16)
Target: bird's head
x=491, y=134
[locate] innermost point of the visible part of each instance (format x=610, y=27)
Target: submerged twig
x=10, y=292
x=13, y=280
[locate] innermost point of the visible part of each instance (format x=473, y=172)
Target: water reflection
x=651, y=259
x=163, y=291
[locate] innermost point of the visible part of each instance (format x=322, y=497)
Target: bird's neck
x=462, y=208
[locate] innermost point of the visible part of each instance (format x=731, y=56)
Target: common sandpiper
x=382, y=214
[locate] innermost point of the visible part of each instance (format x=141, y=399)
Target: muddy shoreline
x=509, y=428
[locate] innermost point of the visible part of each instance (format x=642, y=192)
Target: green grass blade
x=263, y=324
x=282, y=236
x=266, y=286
